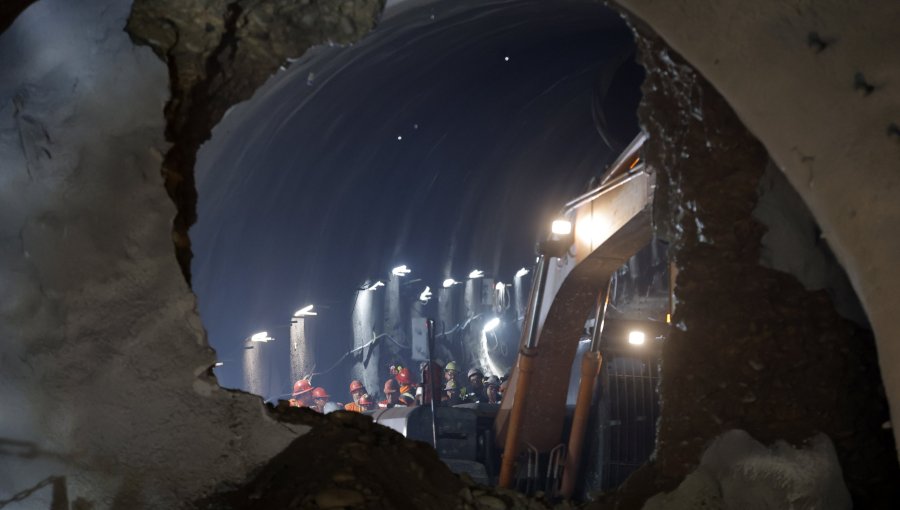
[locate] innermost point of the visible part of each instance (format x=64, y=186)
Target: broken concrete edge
x=674, y=219
x=217, y=60
x=10, y=9
x=777, y=64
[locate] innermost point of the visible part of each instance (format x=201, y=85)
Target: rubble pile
x=347, y=461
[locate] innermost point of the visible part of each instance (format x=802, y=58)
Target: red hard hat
x=390, y=386
x=320, y=393
x=356, y=386
x=403, y=376
x=302, y=386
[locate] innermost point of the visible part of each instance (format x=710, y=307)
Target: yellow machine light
x=636, y=338
x=561, y=227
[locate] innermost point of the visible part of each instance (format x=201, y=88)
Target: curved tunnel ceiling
x=444, y=141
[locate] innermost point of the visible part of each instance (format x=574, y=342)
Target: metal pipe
x=590, y=369
x=536, y=302
x=600, y=315
x=599, y=191
x=527, y=353
x=431, y=376
x=626, y=157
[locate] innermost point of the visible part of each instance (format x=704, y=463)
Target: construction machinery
x=538, y=437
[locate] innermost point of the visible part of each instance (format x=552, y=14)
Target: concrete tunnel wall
x=798, y=77
x=104, y=366
x=104, y=363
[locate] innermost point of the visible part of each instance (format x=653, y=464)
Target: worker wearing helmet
x=357, y=390
x=320, y=399
x=451, y=394
x=492, y=389
x=302, y=395
x=475, y=388
x=404, y=380
x=391, y=393
x=450, y=371
x=365, y=403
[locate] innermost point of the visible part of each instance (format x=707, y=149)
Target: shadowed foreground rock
x=347, y=461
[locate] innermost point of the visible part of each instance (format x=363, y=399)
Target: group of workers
x=400, y=390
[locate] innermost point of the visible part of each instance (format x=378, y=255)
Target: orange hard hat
x=320, y=393
x=356, y=386
x=302, y=386
x=403, y=376
x=390, y=386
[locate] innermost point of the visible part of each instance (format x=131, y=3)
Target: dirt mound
x=347, y=461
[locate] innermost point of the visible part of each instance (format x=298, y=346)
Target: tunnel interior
x=770, y=357
x=440, y=141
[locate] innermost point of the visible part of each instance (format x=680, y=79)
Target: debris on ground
x=347, y=461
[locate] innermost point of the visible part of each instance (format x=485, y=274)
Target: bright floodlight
x=476, y=273
x=486, y=354
x=375, y=285
x=425, y=295
x=401, y=271
x=262, y=336
x=636, y=338
x=306, y=311
x=219, y=364
x=449, y=282
x=561, y=227
x=521, y=272
x=500, y=286
x=491, y=324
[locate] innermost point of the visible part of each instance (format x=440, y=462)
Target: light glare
x=491, y=324
x=561, y=227
x=593, y=229
x=449, y=282
x=306, y=311
x=262, y=336
x=401, y=270
x=636, y=338
x=521, y=272
x=487, y=354
x=476, y=273
x=425, y=295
